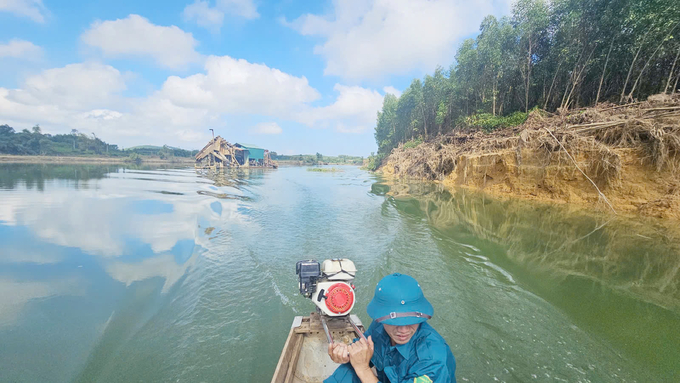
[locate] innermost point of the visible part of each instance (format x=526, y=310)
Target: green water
x=155, y=275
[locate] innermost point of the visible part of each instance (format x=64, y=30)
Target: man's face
x=401, y=334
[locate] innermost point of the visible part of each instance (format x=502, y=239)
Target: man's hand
x=360, y=354
x=338, y=352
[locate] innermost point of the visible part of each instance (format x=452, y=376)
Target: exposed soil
x=620, y=158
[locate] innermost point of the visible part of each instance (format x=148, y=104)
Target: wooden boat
x=304, y=358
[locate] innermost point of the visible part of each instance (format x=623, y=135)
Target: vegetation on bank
x=318, y=158
x=554, y=55
x=488, y=122
x=35, y=142
x=374, y=161
x=324, y=170
x=134, y=158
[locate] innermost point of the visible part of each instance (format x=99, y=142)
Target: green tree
x=386, y=126
x=468, y=75
x=531, y=20
x=434, y=90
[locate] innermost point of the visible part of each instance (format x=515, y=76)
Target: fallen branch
x=667, y=108
x=600, y=126
x=582, y=172
x=665, y=114
x=620, y=106
x=609, y=124
x=586, y=125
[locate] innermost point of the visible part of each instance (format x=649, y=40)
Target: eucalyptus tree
x=467, y=73
x=531, y=20
x=386, y=127
x=490, y=48
x=434, y=94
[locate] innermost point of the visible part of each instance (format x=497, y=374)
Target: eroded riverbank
x=624, y=159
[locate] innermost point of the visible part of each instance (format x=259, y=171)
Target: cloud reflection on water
x=20, y=293
x=115, y=223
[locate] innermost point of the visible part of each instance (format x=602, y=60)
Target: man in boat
x=400, y=344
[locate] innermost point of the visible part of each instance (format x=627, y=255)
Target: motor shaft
x=325, y=329
x=356, y=328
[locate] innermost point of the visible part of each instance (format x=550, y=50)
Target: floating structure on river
x=219, y=153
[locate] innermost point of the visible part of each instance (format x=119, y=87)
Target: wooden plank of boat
x=304, y=358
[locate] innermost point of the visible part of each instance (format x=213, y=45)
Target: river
x=113, y=274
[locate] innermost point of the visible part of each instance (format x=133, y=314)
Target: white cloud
x=75, y=86
x=238, y=86
x=354, y=111
x=212, y=17
x=266, y=128
x=101, y=114
x=33, y=9
x=89, y=97
x=392, y=90
x=204, y=15
x=242, y=8
x=21, y=49
x=135, y=35
x=367, y=39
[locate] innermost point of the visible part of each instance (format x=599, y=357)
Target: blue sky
x=291, y=76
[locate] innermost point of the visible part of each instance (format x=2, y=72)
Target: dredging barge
x=219, y=153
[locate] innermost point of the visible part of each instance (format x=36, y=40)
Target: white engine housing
x=320, y=300
x=338, y=270
x=334, y=272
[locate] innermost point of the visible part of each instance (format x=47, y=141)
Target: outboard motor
x=328, y=285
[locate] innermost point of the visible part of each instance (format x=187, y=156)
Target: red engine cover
x=339, y=298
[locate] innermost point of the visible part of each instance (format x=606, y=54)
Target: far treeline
x=550, y=55
x=318, y=158
x=34, y=142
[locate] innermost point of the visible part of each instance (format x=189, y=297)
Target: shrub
x=489, y=122
x=135, y=158
x=374, y=161
x=413, y=143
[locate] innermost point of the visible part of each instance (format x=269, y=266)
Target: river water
x=110, y=274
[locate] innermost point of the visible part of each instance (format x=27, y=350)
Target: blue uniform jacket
x=426, y=354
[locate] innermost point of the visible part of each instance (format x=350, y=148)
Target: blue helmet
x=399, y=301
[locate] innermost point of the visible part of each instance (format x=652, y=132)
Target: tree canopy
x=550, y=54
x=34, y=142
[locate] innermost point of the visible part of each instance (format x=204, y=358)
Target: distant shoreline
x=302, y=163
x=14, y=159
